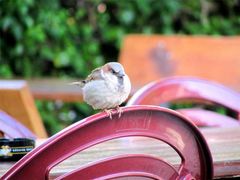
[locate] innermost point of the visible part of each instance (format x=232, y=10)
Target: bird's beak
x=121, y=74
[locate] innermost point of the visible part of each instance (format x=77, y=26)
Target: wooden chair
x=17, y=101
x=147, y=58
x=10, y=128
x=149, y=121
x=193, y=89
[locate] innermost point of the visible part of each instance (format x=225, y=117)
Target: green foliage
x=58, y=115
x=207, y=106
x=45, y=39
x=68, y=38
x=190, y=104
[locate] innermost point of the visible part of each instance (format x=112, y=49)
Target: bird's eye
x=114, y=72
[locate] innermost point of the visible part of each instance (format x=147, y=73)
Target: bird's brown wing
x=95, y=75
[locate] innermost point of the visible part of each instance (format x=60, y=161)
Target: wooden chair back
x=17, y=101
x=151, y=57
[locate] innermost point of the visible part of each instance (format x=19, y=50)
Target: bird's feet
x=119, y=111
x=109, y=112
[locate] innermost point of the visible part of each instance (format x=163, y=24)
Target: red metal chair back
x=148, y=121
x=182, y=88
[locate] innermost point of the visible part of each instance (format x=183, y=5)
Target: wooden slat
x=151, y=57
x=224, y=144
x=55, y=89
x=17, y=101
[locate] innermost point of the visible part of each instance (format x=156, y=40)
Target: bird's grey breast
x=120, y=83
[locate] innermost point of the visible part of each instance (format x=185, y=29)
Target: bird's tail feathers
x=78, y=83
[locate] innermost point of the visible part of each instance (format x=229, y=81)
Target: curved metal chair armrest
x=205, y=118
x=178, y=88
x=12, y=128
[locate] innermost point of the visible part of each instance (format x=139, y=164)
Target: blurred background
x=68, y=38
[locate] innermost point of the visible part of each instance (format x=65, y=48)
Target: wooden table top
x=224, y=144
x=55, y=89
x=58, y=89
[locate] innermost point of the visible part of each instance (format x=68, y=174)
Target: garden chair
x=149, y=121
x=192, y=89
x=17, y=101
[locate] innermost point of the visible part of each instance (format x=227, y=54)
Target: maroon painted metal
x=205, y=118
x=12, y=128
x=149, y=121
x=126, y=165
x=180, y=88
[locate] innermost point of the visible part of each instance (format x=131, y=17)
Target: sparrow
x=106, y=88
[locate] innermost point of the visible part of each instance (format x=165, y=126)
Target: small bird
x=106, y=87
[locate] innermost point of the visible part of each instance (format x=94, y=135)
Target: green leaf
x=127, y=16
